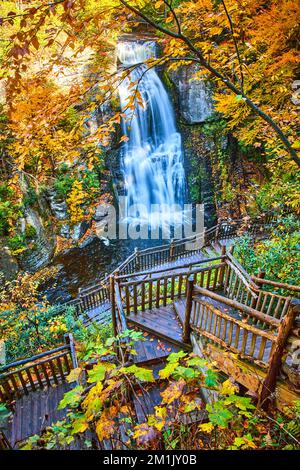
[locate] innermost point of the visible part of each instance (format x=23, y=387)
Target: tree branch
x=201, y=60
x=235, y=44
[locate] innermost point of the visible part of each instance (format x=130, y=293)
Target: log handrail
x=242, y=270
x=268, y=387
x=172, y=268
x=248, y=285
x=119, y=305
x=216, y=232
x=167, y=276
x=273, y=322
x=31, y=359
x=130, y=264
x=264, y=333
x=279, y=285
x=39, y=371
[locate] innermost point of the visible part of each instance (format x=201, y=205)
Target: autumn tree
x=249, y=50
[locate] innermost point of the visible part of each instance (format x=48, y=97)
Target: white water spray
x=152, y=158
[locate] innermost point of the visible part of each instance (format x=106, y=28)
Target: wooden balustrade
x=90, y=299
x=120, y=314
x=275, y=362
x=37, y=372
x=232, y=333
x=156, y=256
x=153, y=292
x=241, y=287
x=277, y=285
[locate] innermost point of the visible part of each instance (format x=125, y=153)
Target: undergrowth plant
x=109, y=388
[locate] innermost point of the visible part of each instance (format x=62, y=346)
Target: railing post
x=205, y=236
x=188, y=310
x=137, y=257
x=260, y=275
x=113, y=304
x=222, y=270
x=172, y=247
x=268, y=387
x=217, y=232
x=70, y=341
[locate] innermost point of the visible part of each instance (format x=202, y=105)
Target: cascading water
x=152, y=157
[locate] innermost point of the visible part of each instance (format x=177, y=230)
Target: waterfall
x=152, y=157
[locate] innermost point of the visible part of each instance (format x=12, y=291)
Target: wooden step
x=179, y=307
x=151, y=397
x=152, y=350
x=161, y=322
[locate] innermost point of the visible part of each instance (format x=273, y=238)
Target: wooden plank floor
x=161, y=322
x=100, y=315
x=145, y=401
x=152, y=349
x=34, y=412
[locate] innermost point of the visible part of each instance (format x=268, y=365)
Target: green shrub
x=63, y=185
x=278, y=256
x=17, y=244
x=27, y=332
x=8, y=210
x=30, y=198
x=91, y=180
x=30, y=232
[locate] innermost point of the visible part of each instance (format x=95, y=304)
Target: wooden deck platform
x=161, y=322
x=34, y=412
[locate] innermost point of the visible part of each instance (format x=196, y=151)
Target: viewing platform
x=202, y=301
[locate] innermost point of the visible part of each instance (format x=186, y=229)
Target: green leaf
x=187, y=372
x=211, y=379
x=168, y=370
x=220, y=416
x=79, y=425
x=71, y=398
x=197, y=361
x=140, y=373
x=97, y=374
x=174, y=357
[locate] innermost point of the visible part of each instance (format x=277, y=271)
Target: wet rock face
x=58, y=208
x=194, y=95
x=8, y=264
x=44, y=244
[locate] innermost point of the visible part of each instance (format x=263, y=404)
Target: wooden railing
x=241, y=287
x=177, y=249
x=154, y=292
x=238, y=331
x=222, y=304
x=37, y=372
x=246, y=331
x=95, y=295
x=90, y=299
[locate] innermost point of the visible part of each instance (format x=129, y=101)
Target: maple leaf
x=206, y=427
x=105, y=426
x=140, y=373
x=173, y=391
x=145, y=434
